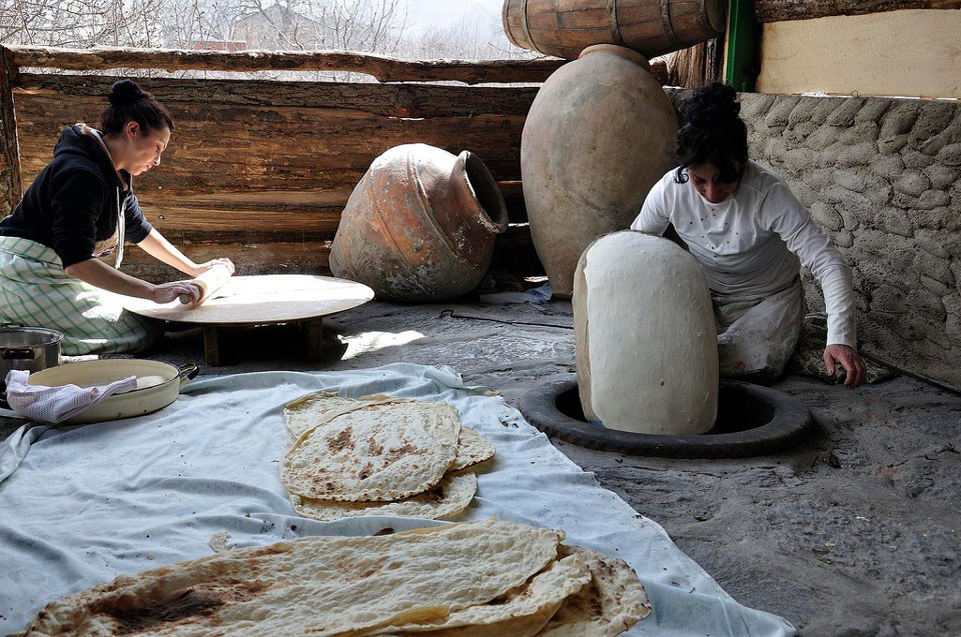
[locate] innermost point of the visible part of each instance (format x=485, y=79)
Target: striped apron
x=36, y=292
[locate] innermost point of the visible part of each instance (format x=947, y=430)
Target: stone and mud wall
x=881, y=176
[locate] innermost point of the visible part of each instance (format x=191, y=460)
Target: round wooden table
x=262, y=300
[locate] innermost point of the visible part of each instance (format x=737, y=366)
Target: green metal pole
x=744, y=34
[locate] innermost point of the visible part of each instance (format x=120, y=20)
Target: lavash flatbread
x=611, y=603
x=314, y=409
x=450, y=496
x=379, y=452
x=472, y=448
x=520, y=613
x=321, y=586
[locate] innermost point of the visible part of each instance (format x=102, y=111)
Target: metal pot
x=29, y=348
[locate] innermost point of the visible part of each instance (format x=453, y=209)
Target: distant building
x=278, y=28
x=217, y=45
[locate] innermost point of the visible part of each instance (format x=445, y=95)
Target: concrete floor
x=854, y=533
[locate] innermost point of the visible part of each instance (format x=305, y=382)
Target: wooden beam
x=383, y=68
x=911, y=53
x=12, y=189
x=782, y=10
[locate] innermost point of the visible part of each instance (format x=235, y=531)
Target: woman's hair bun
x=710, y=105
x=126, y=93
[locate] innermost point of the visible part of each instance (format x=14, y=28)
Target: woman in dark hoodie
x=80, y=207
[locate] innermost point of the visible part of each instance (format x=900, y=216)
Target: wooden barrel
x=564, y=28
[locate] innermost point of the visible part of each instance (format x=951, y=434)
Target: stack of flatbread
x=481, y=578
x=379, y=456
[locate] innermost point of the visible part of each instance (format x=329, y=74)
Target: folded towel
x=56, y=404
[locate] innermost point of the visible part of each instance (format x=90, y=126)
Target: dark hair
x=712, y=133
x=129, y=102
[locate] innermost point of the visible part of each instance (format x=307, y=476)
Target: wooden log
x=383, y=68
x=393, y=100
x=262, y=257
x=11, y=188
x=782, y=10
x=246, y=170
x=260, y=171
x=226, y=149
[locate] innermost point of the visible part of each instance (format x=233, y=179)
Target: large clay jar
x=420, y=225
x=599, y=134
x=645, y=337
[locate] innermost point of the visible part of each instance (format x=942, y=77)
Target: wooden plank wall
x=259, y=171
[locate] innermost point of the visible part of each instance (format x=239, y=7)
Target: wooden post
x=314, y=331
x=212, y=345
x=11, y=187
x=742, y=51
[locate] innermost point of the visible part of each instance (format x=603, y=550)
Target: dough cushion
x=646, y=339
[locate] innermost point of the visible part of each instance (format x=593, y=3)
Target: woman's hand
x=200, y=268
x=848, y=358
x=167, y=292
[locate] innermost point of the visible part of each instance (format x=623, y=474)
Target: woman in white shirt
x=750, y=235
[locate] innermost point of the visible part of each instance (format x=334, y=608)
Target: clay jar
x=645, y=337
x=599, y=135
x=420, y=225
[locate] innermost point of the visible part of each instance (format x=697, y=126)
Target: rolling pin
x=208, y=282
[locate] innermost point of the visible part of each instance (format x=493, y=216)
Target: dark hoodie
x=72, y=204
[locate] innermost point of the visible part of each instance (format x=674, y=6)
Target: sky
x=422, y=14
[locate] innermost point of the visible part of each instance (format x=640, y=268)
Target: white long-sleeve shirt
x=752, y=244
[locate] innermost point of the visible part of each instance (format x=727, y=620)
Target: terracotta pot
x=420, y=225
x=652, y=27
x=599, y=134
x=646, y=343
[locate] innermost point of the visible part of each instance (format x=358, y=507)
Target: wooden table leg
x=212, y=345
x=313, y=330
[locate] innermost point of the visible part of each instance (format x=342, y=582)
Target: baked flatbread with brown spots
x=612, y=602
x=314, y=409
x=522, y=612
x=379, y=452
x=449, y=497
x=321, y=586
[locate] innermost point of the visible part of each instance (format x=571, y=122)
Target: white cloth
x=121, y=497
x=758, y=334
x=749, y=244
x=15, y=447
x=56, y=404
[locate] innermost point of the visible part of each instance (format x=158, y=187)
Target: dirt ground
x=855, y=533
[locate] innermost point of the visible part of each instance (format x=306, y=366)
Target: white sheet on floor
x=92, y=502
